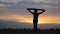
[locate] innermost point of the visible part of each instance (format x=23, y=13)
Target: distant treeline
x=29, y=31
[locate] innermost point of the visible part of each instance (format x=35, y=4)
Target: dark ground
x=29, y=31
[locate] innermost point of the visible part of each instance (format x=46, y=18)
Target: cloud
x=21, y=6
x=15, y=1
x=14, y=24
x=2, y=5
x=47, y=1
x=10, y=7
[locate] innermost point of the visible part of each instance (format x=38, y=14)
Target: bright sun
x=31, y=22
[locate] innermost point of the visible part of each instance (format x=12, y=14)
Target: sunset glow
x=41, y=20
x=15, y=10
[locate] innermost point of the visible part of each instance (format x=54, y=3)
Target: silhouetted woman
x=35, y=15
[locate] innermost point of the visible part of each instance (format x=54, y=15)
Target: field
x=29, y=31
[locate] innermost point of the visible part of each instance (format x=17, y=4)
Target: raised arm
x=42, y=11
x=30, y=11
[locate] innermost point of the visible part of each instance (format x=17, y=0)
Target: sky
x=15, y=10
